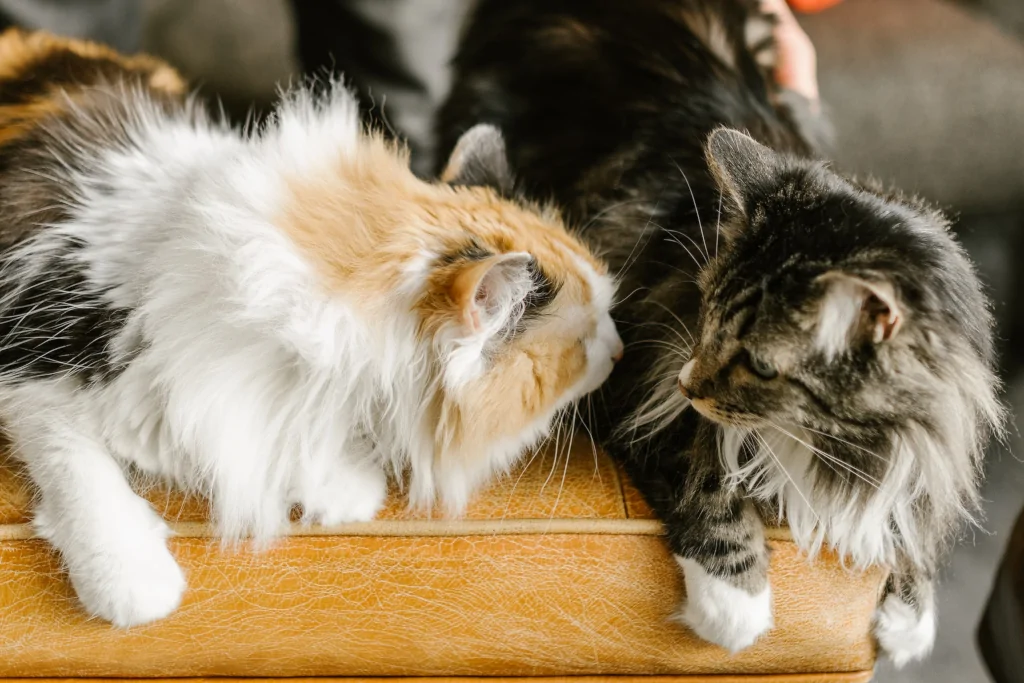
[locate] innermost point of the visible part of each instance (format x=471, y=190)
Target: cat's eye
x=761, y=367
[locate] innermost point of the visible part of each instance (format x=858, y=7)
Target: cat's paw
x=902, y=632
x=129, y=578
x=720, y=613
x=349, y=494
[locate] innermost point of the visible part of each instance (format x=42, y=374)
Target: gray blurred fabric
x=115, y=22
x=926, y=94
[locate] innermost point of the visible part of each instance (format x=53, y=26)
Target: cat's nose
x=617, y=351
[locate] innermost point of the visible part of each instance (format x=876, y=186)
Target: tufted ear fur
x=741, y=167
x=479, y=159
x=856, y=310
x=489, y=293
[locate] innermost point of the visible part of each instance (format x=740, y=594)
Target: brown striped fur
x=40, y=74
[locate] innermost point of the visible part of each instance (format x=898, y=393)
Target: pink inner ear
x=855, y=307
x=472, y=319
x=886, y=319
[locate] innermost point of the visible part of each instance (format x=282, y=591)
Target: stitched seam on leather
x=422, y=528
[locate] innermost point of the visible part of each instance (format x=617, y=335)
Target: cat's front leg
x=904, y=622
x=333, y=489
x=718, y=541
x=112, y=543
x=716, y=534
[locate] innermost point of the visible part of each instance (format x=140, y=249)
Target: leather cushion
x=558, y=569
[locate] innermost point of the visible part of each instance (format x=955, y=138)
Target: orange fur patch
x=367, y=217
x=368, y=221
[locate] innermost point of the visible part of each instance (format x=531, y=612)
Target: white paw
x=721, y=613
x=349, y=494
x=903, y=634
x=127, y=575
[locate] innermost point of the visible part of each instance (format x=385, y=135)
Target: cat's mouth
x=708, y=408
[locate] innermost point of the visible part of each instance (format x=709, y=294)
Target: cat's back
x=42, y=75
x=58, y=96
x=600, y=90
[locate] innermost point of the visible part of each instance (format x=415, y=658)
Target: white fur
x=246, y=380
x=838, y=316
x=112, y=543
x=859, y=526
x=721, y=613
x=905, y=635
x=782, y=472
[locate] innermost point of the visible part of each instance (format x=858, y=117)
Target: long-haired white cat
x=268, y=320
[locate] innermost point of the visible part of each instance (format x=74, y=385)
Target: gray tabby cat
x=800, y=345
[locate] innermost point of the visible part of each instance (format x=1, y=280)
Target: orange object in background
x=812, y=5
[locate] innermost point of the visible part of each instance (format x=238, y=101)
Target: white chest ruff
x=782, y=474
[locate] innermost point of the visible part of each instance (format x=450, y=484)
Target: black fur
x=41, y=338
x=53, y=324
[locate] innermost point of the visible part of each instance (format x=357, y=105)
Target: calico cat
x=799, y=345
x=269, y=319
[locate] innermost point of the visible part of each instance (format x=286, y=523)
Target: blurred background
x=925, y=94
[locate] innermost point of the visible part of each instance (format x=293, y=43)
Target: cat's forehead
x=500, y=225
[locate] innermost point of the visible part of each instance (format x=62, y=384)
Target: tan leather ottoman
x=557, y=571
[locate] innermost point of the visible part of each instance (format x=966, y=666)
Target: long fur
x=797, y=342
x=269, y=319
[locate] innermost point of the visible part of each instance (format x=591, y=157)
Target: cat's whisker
x=554, y=451
x=590, y=434
x=680, y=233
x=687, y=275
x=617, y=302
x=844, y=441
x=678, y=335
x=849, y=469
x=868, y=479
x=633, y=254
x=696, y=210
x=565, y=469
x=718, y=225
x=673, y=238
x=658, y=343
x=785, y=472
x=679, y=320
x=608, y=209
x=515, y=485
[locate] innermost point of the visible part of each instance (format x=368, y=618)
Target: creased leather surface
x=592, y=597
x=592, y=489
x=858, y=677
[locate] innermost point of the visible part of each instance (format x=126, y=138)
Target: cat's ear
x=488, y=292
x=856, y=310
x=479, y=158
x=741, y=166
